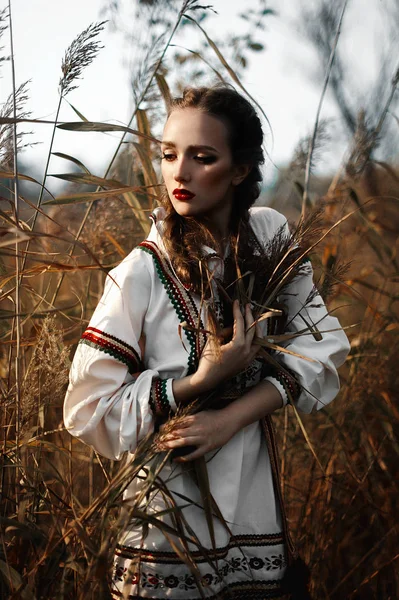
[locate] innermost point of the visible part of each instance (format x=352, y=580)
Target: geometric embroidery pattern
x=158, y=400
x=182, y=302
x=289, y=382
x=113, y=346
x=243, y=590
x=236, y=541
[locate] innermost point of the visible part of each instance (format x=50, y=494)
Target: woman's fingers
x=245, y=330
x=258, y=329
x=185, y=422
x=238, y=327
x=220, y=363
x=180, y=441
x=208, y=432
x=243, y=325
x=249, y=322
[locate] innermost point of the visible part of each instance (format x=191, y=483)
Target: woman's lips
x=182, y=194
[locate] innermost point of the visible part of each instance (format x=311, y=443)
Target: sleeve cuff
x=162, y=400
x=170, y=396
x=280, y=388
x=287, y=385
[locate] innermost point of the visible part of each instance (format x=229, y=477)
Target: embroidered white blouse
x=135, y=329
x=124, y=365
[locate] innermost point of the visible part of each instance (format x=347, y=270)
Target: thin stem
x=395, y=81
x=48, y=157
x=316, y=125
x=39, y=201
x=17, y=356
x=140, y=100
x=91, y=475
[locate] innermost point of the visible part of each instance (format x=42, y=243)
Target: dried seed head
x=3, y=27
x=79, y=55
x=47, y=373
x=365, y=141
x=300, y=157
x=6, y=130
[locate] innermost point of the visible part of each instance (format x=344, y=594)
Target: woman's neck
x=219, y=238
x=218, y=220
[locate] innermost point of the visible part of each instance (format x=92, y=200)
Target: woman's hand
x=218, y=364
x=206, y=430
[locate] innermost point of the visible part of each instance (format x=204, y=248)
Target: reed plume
x=6, y=129
x=78, y=56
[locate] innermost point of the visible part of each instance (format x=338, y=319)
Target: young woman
x=147, y=352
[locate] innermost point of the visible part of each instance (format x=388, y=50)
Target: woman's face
x=197, y=166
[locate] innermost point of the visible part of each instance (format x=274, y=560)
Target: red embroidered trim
x=113, y=346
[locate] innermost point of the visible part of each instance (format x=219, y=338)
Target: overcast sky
x=281, y=78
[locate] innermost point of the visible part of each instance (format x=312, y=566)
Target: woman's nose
x=181, y=171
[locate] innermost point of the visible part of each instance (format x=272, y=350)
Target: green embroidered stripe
x=131, y=365
x=164, y=395
x=158, y=400
x=180, y=300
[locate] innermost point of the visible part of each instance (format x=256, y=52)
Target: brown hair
x=185, y=236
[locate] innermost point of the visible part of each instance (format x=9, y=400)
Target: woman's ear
x=241, y=172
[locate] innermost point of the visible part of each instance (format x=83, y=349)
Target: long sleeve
x=107, y=401
x=318, y=377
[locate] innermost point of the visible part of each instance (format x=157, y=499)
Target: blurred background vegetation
x=56, y=248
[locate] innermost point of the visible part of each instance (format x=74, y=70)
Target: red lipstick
x=182, y=194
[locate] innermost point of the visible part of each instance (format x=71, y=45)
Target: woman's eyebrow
x=191, y=147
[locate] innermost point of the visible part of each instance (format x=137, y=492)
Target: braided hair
x=185, y=236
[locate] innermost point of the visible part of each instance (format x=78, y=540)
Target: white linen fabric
x=133, y=339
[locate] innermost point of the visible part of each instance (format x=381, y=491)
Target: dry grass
x=59, y=500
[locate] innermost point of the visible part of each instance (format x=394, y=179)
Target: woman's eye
x=168, y=156
x=207, y=160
